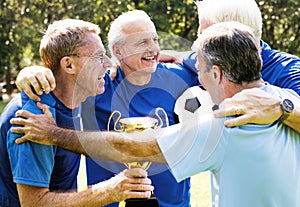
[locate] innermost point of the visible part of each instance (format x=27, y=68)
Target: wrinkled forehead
x=137, y=36
x=138, y=25
x=93, y=44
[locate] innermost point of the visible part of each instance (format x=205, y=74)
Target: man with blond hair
x=40, y=175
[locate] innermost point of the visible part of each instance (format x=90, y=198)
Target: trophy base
x=142, y=202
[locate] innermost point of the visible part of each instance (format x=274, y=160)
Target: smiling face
x=91, y=62
x=139, y=50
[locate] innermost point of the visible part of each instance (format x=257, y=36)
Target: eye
x=155, y=40
x=99, y=58
x=143, y=42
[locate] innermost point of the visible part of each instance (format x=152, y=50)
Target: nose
x=107, y=62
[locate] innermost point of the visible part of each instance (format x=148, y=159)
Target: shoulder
x=30, y=105
x=8, y=113
x=174, y=67
x=269, y=54
x=10, y=109
x=282, y=92
x=177, y=70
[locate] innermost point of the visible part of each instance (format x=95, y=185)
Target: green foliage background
x=22, y=23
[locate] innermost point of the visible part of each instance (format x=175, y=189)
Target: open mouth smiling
x=150, y=58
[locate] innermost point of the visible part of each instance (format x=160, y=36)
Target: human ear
x=66, y=65
x=117, y=51
x=216, y=72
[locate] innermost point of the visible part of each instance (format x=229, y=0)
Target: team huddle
x=231, y=107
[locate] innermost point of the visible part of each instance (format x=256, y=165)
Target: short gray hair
x=231, y=46
x=116, y=34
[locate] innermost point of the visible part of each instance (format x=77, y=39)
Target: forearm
x=112, y=146
x=65, y=138
x=97, y=195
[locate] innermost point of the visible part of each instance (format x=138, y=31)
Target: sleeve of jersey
x=190, y=62
x=189, y=75
x=31, y=163
x=290, y=78
x=193, y=148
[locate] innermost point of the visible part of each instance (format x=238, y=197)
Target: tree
x=22, y=23
x=281, y=24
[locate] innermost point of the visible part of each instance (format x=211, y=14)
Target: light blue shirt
x=254, y=165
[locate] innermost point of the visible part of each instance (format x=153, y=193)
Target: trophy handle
x=116, y=122
x=160, y=120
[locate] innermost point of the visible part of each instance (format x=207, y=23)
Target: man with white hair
x=278, y=68
x=137, y=91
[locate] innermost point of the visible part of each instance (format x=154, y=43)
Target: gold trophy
x=138, y=124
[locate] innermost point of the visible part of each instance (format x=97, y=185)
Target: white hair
x=116, y=34
x=243, y=11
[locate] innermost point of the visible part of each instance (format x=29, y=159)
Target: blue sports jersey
x=279, y=68
x=30, y=163
x=254, y=165
x=166, y=84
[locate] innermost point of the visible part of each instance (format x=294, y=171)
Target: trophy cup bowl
x=138, y=124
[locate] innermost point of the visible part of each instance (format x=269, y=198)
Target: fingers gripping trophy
x=138, y=124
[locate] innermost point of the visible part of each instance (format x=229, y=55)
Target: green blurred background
x=23, y=21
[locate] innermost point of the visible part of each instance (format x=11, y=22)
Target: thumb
x=45, y=109
x=136, y=172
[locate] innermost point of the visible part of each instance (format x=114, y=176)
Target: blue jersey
x=30, y=163
x=254, y=165
x=166, y=84
x=279, y=68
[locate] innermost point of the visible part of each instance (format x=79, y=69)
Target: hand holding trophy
x=138, y=124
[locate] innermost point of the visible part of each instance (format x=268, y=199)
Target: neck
x=65, y=93
x=231, y=89
x=139, y=78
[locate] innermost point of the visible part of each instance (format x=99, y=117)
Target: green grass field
x=200, y=192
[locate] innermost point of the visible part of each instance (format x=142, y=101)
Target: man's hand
x=39, y=78
x=131, y=183
x=35, y=127
x=167, y=57
x=251, y=106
